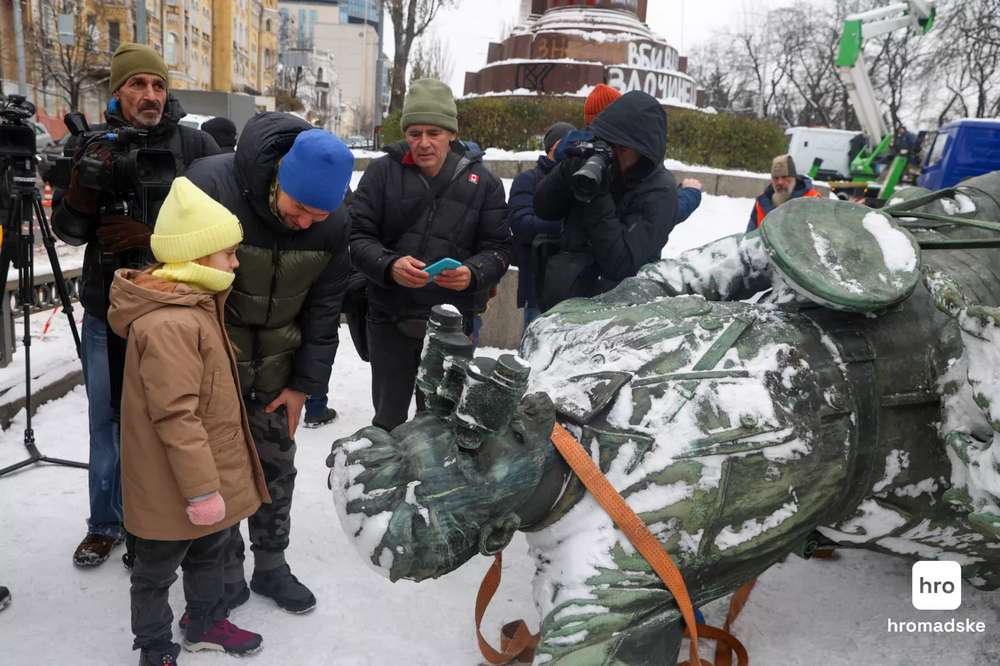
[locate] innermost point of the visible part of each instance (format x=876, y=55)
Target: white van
x=195, y=120
x=833, y=146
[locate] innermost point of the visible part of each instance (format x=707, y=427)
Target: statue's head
x=420, y=501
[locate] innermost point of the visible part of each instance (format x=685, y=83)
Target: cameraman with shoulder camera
x=141, y=110
x=618, y=201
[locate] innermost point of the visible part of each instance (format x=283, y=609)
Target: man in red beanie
x=599, y=99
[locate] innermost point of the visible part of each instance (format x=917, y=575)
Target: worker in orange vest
x=785, y=184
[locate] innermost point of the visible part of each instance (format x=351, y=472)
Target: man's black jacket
x=284, y=310
x=186, y=143
x=395, y=213
x=613, y=236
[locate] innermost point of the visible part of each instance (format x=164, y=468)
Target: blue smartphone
x=445, y=264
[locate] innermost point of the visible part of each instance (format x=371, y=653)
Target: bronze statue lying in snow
x=738, y=431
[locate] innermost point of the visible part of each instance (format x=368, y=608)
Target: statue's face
x=419, y=506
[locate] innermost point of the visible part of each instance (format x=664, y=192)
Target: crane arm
x=916, y=15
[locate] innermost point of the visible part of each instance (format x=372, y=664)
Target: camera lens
x=587, y=180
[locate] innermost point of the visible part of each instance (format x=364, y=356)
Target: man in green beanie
x=117, y=236
x=430, y=198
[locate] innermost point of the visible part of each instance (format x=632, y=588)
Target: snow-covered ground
x=801, y=612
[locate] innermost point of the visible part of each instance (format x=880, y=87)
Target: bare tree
x=752, y=53
x=70, y=69
x=787, y=56
x=431, y=60
x=970, y=56
x=783, y=63
x=410, y=19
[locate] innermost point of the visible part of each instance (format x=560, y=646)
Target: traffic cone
x=47, y=196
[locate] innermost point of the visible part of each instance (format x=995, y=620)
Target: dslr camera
x=588, y=181
x=132, y=180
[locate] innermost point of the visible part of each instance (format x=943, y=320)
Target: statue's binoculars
x=479, y=395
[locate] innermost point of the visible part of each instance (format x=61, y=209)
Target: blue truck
x=959, y=150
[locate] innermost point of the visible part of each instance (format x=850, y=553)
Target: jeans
x=316, y=404
x=477, y=326
x=105, y=465
x=531, y=312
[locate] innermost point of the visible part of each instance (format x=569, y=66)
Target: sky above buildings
x=468, y=28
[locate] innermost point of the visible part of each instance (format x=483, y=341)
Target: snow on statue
x=855, y=401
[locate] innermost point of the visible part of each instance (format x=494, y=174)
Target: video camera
x=134, y=180
x=17, y=147
x=590, y=178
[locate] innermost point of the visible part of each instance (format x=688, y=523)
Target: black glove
x=118, y=233
x=568, y=166
x=84, y=199
x=81, y=199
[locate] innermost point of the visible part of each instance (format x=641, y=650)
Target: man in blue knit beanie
x=285, y=183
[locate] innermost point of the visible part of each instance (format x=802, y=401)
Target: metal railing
x=46, y=298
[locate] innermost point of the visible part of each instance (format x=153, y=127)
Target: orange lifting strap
x=517, y=643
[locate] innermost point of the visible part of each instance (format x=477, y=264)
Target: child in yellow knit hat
x=189, y=467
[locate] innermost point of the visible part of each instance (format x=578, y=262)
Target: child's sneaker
x=223, y=636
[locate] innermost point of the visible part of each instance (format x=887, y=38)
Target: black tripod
x=18, y=245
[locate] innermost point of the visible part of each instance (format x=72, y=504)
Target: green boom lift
x=915, y=15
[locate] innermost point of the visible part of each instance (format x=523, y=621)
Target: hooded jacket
x=614, y=235
x=284, y=311
x=526, y=225
x=186, y=143
x=396, y=213
x=764, y=205
x=184, y=429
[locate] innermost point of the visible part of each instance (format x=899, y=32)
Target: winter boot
x=284, y=588
x=4, y=597
x=160, y=657
x=320, y=418
x=234, y=595
x=94, y=549
x=222, y=636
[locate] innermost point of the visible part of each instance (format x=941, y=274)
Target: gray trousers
x=155, y=570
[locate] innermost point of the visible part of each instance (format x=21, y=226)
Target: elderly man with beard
x=285, y=183
x=785, y=184
x=140, y=100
